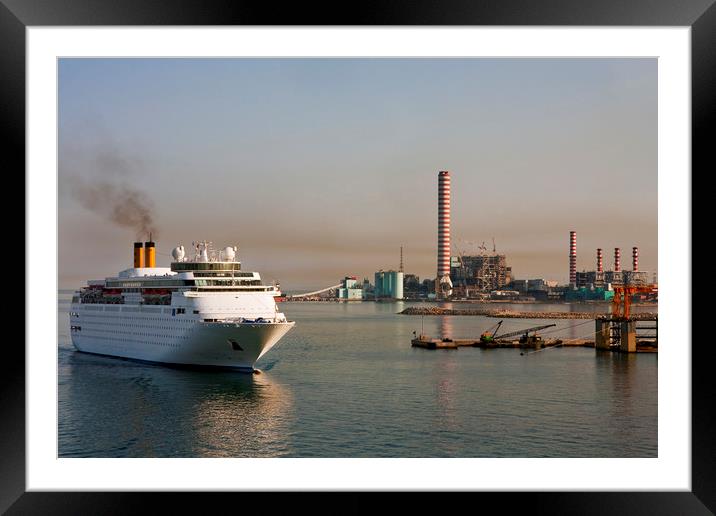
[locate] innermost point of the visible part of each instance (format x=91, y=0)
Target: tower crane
x=463, y=270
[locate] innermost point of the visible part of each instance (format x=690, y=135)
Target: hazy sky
x=320, y=168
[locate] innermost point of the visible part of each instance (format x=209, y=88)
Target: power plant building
x=599, y=278
x=483, y=273
x=350, y=289
x=388, y=285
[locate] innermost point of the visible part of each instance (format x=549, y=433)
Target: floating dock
x=611, y=334
x=427, y=343
x=423, y=341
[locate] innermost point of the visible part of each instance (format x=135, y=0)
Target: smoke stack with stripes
x=600, y=265
x=635, y=259
x=617, y=260
x=573, y=259
x=444, y=285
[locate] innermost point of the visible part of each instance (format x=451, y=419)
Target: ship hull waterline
x=221, y=345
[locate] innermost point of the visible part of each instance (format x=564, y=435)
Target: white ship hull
x=153, y=334
x=204, y=312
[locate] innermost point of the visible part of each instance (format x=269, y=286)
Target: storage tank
x=398, y=286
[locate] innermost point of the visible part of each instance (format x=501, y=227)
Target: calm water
x=346, y=383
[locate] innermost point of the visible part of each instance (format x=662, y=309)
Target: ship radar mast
x=204, y=252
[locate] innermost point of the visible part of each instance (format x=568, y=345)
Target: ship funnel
x=138, y=255
x=149, y=254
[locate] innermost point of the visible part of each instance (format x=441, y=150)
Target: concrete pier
x=627, y=335
x=620, y=334
x=602, y=335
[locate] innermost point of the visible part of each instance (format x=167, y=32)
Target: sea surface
x=345, y=382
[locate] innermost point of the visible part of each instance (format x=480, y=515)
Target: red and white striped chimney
x=573, y=258
x=443, y=224
x=617, y=260
x=600, y=265
x=635, y=259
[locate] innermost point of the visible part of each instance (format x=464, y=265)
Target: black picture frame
x=16, y=15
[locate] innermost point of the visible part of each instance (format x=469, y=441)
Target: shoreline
x=511, y=314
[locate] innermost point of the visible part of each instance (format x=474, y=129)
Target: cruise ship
x=203, y=311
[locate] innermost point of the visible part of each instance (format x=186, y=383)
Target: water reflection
x=446, y=390
x=244, y=420
x=623, y=382
x=446, y=327
x=347, y=384
x=132, y=409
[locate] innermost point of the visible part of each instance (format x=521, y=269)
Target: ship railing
x=246, y=320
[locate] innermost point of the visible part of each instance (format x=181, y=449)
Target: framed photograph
x=331, y=164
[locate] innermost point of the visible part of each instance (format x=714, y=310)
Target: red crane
x=621, y=302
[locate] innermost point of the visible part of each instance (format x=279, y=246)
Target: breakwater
x=511, y=314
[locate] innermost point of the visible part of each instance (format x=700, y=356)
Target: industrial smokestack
x=572, y=258
x=138, y=255
x=600, y=266
x=443, y=225
x=635, y=259
x=149, y=254
x=617, y=260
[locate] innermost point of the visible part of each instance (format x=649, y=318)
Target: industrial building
x=349, y=290
x=589, y=294
x=388, y=285
x=481, y=273
x=598, y=283
x=538, y=289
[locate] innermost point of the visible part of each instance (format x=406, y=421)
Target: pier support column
x=601, y=334
x=628, y=337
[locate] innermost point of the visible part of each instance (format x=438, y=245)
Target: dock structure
x=612, y=333
x=423, y=341
x=426, y=342
x=623, y=334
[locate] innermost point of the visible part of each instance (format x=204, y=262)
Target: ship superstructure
x=200, y=311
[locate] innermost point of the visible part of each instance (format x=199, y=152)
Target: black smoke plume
x=109, y=192
x=118, y=203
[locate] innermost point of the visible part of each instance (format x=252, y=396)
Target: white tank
x=178, y=253
x=229, y=254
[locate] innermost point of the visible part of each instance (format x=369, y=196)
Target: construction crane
x=623, y=294
x=486, y=337
x=525, y=338
x=463, y=270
